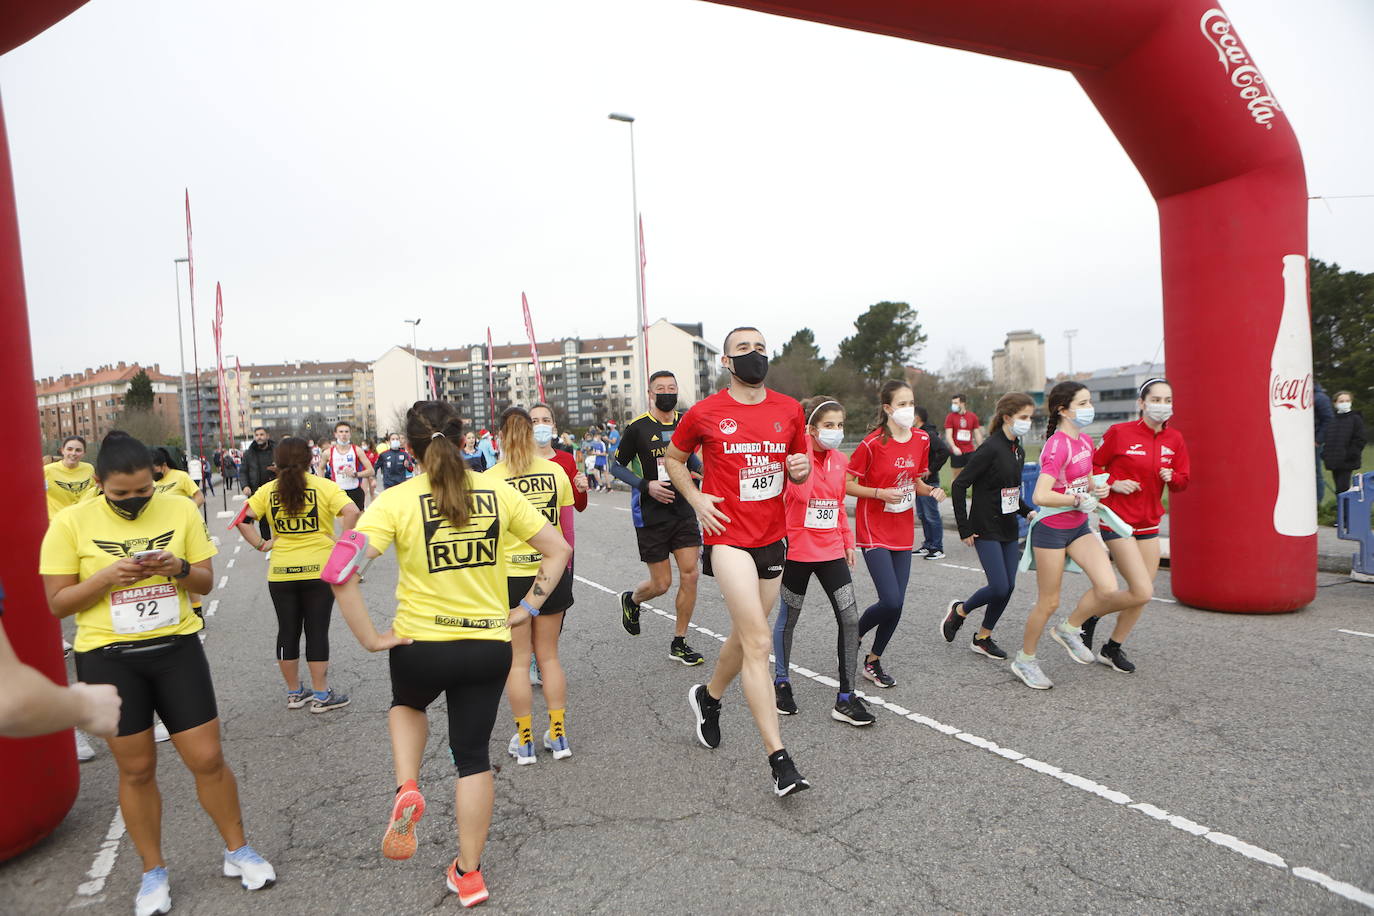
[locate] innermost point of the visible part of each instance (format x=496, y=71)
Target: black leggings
x=839, y=588
x=302, y=604
x=1342, y=479
x=471, y=673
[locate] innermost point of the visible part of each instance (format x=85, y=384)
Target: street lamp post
x=641, y=370
x=415, y=352
x=1069, y=336
x=181, y=353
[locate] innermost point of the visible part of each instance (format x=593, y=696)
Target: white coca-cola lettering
x=1291, y=393
x=1235, y=60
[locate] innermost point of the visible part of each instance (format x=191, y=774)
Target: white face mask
x=1084, y=416
x=395, y=443
x=954, y=408
x=1020, y=427
x=830, y=438
x=904, y=417
x=543, y=434
x=1160, y=413
x=1342, y=407
x=342, y=438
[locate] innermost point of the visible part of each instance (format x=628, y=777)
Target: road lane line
x=1356, y=633
x=211, y=608
x=1224, y=840
x=223, y=581
x=237, y=548
x=105, y=857
x=231, y=563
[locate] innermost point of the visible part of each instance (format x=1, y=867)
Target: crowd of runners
x=748, y=486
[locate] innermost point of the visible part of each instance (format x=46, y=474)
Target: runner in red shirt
x=963, y=435
x=886, y=472
x=1142, y=457
x=750, y=439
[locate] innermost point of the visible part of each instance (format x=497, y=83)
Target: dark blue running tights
x=999, y=559
x=890, y=570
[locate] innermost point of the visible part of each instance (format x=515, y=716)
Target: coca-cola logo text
x=1235, y=60
x=1291, y=393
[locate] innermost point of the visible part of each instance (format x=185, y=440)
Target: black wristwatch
x=185, y=569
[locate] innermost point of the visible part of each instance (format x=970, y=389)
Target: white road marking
x=211, y=608
x=223, y=581
x=104, y=860
x=1224, y=840
x=237, y=548
x=621, y=509
x=232, y=561
x=1356, y=633
x=225, y=514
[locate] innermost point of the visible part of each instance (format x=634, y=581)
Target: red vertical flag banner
x=491, y=383
x=534, y=349
x=226, y=422
x=643, y=301
x=433, y=388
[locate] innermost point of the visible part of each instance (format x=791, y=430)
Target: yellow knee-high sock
x=556, y=727
x=524, y=729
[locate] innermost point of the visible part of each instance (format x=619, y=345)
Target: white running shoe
x=1071, y=638
x=160, y=732
x=155, y=894
x=1029, y=671
x=252, y=869
x=84, y=750
x=523, y=753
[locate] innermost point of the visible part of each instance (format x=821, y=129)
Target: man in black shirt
x=665, y=524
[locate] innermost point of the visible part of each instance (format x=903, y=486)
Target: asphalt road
x=1236, y=759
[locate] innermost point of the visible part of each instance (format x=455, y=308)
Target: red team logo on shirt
x=728, y=427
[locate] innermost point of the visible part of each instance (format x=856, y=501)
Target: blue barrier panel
x=1352, y=524
x=1029, y=475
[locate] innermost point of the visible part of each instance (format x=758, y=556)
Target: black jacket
x=255, y=463
x=939, y=453
x=993, y=466
x=1345, y=442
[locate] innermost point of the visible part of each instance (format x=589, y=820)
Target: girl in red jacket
x=1143, y=457
x=819, y=541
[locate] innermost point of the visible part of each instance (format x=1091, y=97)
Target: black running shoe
x=707, y=712
x=786, y=779
x=1114, y=657
x=782, y=695
x=873, y=670
x=949, y=627
x=853, y=710
x=629, y=613
x=986, y=646
x=680, y=651
x=1089, y=626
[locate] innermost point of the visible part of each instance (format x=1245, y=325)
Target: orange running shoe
x=470, y=888
x=399, y=841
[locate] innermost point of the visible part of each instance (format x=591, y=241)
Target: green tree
x=1342, y=316
x=140, y=393
x=798, y=369
x=887, y=338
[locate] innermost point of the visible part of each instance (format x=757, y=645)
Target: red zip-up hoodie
x=817, y=524
x=1133, y=451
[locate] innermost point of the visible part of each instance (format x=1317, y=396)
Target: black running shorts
x=517, y=587
x=657, y=542
x=768, y=559
x=171, y=678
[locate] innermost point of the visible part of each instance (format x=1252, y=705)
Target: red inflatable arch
x=1180, y=91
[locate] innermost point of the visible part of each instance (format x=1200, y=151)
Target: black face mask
x=665, y=402
x=750, y=368
x=130, y=508
x=158, y=475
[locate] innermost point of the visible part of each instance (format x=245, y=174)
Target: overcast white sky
x=353, y=163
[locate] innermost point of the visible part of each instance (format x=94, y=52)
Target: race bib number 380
x=144, y=608
x=760, y=482
x=822, y=514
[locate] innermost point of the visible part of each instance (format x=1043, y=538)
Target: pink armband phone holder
x=241, y=517
x=346, y=558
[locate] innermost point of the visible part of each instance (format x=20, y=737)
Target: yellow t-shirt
x=452, y=582
x=178, y=483
x=67, y=487
x=546, y=487
x=89, y=537
x=302, y=540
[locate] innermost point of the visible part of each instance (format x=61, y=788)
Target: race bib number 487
x=761, y=482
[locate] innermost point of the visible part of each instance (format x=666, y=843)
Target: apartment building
x=88, y=404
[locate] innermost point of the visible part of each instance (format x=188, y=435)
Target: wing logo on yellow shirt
x=542, y=492
x=306, y=521
x=132, y=546
x=476, y=545
x=74, y=486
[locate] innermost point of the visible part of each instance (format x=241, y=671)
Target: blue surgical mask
x=830, y=438
x=543, y=434
x=1020, y=427
x=1083, y=416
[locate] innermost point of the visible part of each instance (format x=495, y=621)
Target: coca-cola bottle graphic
x=1290, y=407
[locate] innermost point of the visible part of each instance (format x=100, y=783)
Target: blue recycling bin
x=1030, y=473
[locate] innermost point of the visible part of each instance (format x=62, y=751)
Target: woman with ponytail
x=886, y=472
x=300, y=510
x=549, y=490
x=453, y=528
